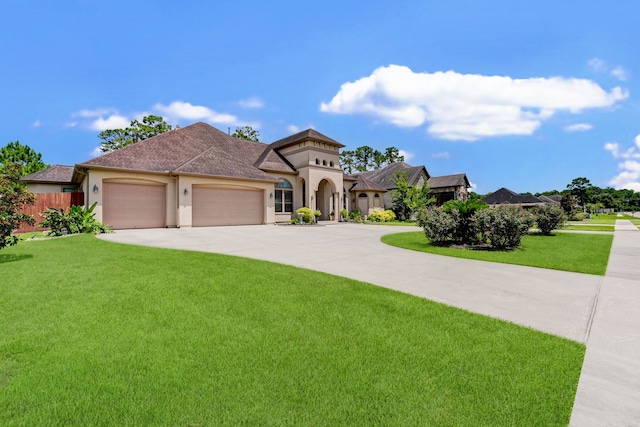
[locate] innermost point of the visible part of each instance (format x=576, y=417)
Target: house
x=200, y=176
x=505, y=196
x=443, y=188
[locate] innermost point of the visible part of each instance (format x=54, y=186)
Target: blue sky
x=523, y=95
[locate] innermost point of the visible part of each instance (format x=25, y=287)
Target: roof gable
x=383, y=177
x=506, y=196
x=302, y=136
x=199, y=149
x=456, y=180
x=55, y=173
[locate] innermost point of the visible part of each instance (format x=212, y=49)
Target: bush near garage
x=382, y=216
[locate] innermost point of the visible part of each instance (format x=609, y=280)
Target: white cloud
x=407, y=155
x=441, y=155
x=473, y=186
x=578, y=127
x=466, y=106
x=252, y=102
x=620, y=73
x=96, y=152
x=178, y=110
x=597, y=64
x=293, y=129
x=629, y=176
x=114, y=121
x=601, y=66
x=36, y=124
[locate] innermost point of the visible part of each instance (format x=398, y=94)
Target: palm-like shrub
x=465, y=232
x=77, y=219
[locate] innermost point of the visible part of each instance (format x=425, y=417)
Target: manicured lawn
x=587, y=227
x=580, y=253
x=96, y=333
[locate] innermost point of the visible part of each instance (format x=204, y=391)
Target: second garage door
x=224, y=206
x=133, y=205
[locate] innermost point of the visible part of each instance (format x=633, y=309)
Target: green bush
x=77, y=219
x=344, y=213
x=382, y=216
x=549, y=217
x=307, y=214
x=577, y=216
x=502, y=227
x=439, y=226
x=355, y=215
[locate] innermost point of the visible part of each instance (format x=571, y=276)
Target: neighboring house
x=505, y=196
x=54, y=179
x=200, y=176
x=443, y=188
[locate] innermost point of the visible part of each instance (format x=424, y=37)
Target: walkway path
x=609, y=389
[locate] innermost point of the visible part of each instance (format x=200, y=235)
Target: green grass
x=394, y=223
x=587, y=227
x=97, y=333
x=580, y=253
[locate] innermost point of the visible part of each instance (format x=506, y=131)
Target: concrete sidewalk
x=555, y=302
x=609, y=389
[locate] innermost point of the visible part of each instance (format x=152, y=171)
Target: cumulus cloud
x=252, y=102
x=578, y=127
x=407, y=155
x=620, y=73
x=293, y=129
x=100, y=119
x=629, y=176
x=466, y=107
x=178, y=110
x=36, y=124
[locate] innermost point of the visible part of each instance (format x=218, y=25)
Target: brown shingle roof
x=457, y=180
x=365, y=184
x=199, y=149
x=55, y=173
x=508, y=197
x=301, y=136
x=382, y=177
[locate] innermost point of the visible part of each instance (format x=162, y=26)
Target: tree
x=14, y=196
x=247, y=133
x=114, y=139
x=29, y=160
x=579, y=187
x=408, y=199
x=568, y=203
x=366, y=158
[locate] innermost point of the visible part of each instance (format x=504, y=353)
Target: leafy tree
x=579, y=187
x=408, y=199
x=29, y=160
x=568, y=203
x=549, y=217
x=247, y=133
x=366, y=158
x=114, y=139
x=14, y=196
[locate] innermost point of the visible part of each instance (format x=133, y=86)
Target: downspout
x=175, y=185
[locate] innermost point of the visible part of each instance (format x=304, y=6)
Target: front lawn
x=97, y=333
x=580, y=253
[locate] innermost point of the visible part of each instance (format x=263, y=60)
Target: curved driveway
x=551, y=301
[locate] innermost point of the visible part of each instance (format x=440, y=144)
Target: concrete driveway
x=555, y=302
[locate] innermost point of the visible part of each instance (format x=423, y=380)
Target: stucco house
x=200, y=176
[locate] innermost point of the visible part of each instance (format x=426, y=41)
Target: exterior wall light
x=186, y=192
x=271, y=195
x=95, y=188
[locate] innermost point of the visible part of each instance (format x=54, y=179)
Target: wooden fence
x=49, y=200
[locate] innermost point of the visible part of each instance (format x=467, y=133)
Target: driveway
x=555, y=302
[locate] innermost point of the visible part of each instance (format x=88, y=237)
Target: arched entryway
x=326, y=199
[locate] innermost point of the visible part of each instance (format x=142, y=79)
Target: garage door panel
x=223, y=206
x=134, y=206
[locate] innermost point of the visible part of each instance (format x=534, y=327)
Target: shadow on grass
x=5, y=258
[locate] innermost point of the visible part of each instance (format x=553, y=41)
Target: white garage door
x=134, y=205
x=223, y=206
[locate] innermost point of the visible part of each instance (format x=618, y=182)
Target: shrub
x=77, y=219
x=439, y=226
x=502, y=227
x=382, y=216
x=293, y=221
x=307, y=214
x=344, y=213
x=577, y=216
x=464, y=210
x=549, y=217
x=355, y=215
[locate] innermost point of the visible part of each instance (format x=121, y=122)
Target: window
x=304, y=194
x=324, y=163
x=344, y=198
x=284, y=197
x=331, y=163
x=317, y=161
x=68, y=190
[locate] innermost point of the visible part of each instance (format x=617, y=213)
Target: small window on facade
x=324, y=163
x=344, y=198
x=362, y=195
x=68, y=190
x=317, y=161
x=331, y=163
x=284, y=196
